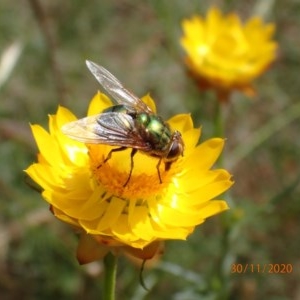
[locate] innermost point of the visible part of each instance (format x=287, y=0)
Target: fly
x=130, y=123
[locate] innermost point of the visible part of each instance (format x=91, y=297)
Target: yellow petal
x=212, y=208
x=181, y=122
x=205, y=155
x=63, y=217
x=89, y=209
x=112, y=213
x=150, y=102
x=209, y=191
x=47, y=145
x=99, y=102
x=44, y=176
x=122, y=231
x=62, y=117
x=140, y=223
x=190, y=182
x=190, y=138
x=173, y=217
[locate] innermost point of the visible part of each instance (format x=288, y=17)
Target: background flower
x=224, y=54
x=90, y=195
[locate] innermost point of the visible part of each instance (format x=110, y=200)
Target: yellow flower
x=90, y=195
x=224, y=54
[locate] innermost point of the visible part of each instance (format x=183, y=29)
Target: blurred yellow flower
x=89, y=194
x=223, y=54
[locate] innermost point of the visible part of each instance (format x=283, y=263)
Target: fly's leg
x=157, y=168
x=133, y=152
x=167, y=168
x=110, y=154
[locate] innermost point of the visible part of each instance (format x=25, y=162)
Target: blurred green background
x=43, y=48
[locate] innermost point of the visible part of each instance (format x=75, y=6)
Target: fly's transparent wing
x=115, y=88
x=111, y=128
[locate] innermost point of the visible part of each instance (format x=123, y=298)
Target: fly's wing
x=111, y=128
x=115, y=88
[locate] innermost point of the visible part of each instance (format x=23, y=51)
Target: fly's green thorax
x=155, y=130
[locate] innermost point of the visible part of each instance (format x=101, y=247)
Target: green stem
x=219, y=126
x=110, y=266
x=225, y=218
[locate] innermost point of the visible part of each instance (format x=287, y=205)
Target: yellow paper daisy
x=224, y=54
x=90, y=195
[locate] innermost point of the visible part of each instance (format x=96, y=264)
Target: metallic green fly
x=130, y=123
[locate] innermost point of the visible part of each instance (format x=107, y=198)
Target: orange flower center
x=113, y=172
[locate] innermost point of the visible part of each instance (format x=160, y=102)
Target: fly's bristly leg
x=158, y=172
x=133, y=152
x=110, y=154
